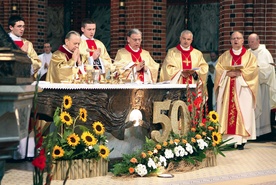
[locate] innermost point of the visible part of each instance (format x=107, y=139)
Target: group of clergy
x=243, y=78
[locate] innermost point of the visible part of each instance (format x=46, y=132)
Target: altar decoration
x=195, y=149
x=77, y=151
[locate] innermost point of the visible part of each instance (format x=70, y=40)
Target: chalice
x=112, y=71
x=75, y=72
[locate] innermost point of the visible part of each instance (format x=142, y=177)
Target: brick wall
x=247, y=17
x=146, y=15
x=149, y=16
x=35, y=14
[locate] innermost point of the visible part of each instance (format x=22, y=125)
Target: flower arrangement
x=192, y=147
x=70, y=143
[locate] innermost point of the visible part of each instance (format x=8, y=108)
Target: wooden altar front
x=111, y=104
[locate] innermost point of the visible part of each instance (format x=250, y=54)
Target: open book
x=129, y=65
x=234, y=67
x=175, y=79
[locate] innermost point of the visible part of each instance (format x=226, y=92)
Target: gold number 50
x=177, y=120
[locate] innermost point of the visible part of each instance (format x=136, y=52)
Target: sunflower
x=67, y=102
x=73, y=139
x=213, y=116
x=88, y=139
x=57, y=152
x=66, y=118
x=83, y=114
x=216, y=137
x=104, y=151
x=98, y=128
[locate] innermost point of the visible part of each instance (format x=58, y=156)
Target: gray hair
x=134, y=31
x=186, y=32
x=68, y=35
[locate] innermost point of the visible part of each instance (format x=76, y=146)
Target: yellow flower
x=67, y=102
x=104, y=151
x=88, y=139
x=216, y=137
x=66, y=118
x=83, y=114
x=73, y=139
x=98, y=128
x=57, y=152
x=213, y=116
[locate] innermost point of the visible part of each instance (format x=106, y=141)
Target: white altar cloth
x=47, y=85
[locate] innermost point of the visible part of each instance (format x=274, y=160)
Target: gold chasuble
x=126, y=55
x=60, y=67
x=178, y=59
x=91, y=45
x=36, y=63
x=236, y=96
x=136, y=58
x=232, y=108
x=186, y=62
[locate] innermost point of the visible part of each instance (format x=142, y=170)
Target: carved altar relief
x=138, y=97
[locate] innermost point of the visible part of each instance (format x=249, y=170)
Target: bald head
x=253, y=41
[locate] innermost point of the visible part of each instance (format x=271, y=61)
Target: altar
x=112, y=104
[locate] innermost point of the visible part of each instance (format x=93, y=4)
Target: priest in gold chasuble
x=235, y=86
x=186, y=60
x=93, y=48
x=65, y=58
x=137, y=62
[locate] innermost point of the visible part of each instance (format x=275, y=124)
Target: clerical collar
x=185, y=49
x=83, y=37
x=14, y=37
x=64, y=46
x=133, y=49
x=237, y=52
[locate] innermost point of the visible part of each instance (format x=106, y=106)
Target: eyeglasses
x=135, y=40
x=236, y=38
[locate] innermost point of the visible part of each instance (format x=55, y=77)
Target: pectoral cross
x=186, y=61
x=92, y=49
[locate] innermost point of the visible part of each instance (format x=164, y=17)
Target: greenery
x=68, y=141
x=67, y=144
x=192, y=147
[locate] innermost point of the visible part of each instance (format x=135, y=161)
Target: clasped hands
x=187, y=73
x=234, y=73
x=141, y=65
x=76, y=57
